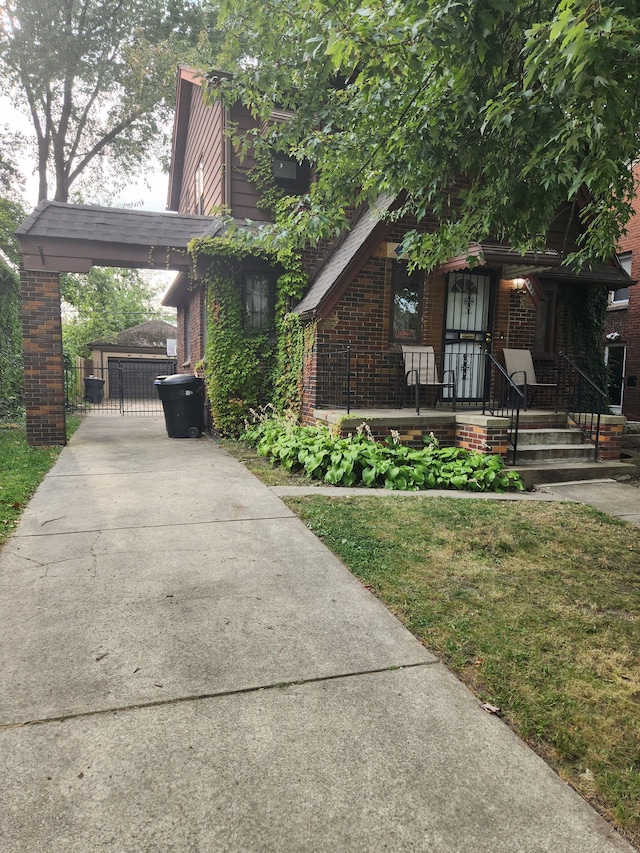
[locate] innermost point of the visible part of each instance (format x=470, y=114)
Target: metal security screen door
x=615, y=358
x=468, y=328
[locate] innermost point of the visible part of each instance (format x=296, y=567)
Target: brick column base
x=611, y=430
x=482, y=434
x=43, y=362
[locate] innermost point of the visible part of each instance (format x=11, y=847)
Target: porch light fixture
x=518, y=285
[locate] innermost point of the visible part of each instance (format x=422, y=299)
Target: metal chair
x=420, y=371
x=519, y=366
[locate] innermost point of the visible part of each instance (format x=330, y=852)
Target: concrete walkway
x=184, y=668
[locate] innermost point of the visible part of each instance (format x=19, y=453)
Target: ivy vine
x=245, y=370
x=261, y=176
x=587, y=304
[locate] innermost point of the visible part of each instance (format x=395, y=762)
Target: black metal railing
x=124, y=387
x=387, y=379
x=506, y=401
x=456, y=379
x=334, y=379
x=582, y=400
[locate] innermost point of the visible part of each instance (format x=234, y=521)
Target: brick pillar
x=482, y=433
x=43, y=364
x=611, y=431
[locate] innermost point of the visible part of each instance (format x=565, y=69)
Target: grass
x=535, y=606
x=263, y=468
x=21, y=471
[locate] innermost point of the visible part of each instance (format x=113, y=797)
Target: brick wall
x=193, y=310
x=411, y=434
x=521, y=321
x=483, y=438
x=43, y=362
x=627, y=321
x=610, y=445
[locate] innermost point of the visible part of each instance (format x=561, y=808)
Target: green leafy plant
x=359, y=460
x=242, y=369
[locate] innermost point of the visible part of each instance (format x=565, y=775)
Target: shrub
x=359, y=460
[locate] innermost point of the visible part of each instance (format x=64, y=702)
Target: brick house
x=361, y=307
x=622, y=325
x=362, y=295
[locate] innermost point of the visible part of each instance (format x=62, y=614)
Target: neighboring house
x=147, y=349
x=361, y=293
x=622, y=326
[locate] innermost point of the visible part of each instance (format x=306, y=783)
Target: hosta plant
x=359, y=460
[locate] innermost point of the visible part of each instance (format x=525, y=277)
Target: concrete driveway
x=184, y=667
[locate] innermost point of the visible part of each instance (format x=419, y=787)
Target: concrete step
x=562, y=472
x=542, y=419
x=531, y=437
x=541, y=453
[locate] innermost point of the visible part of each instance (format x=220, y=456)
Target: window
x=285, y=169
x=620, y=297
x=545, y=331
x=291, y=175
x=257, y=298
x=405, y=305
x=198, y=185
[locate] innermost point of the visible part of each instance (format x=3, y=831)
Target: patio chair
x=519, y=366
x=420, y=371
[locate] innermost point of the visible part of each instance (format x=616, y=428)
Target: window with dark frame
x=545, y=329
x=620, y=297
x=258, y=293
x=405, y=303
x=291, y=175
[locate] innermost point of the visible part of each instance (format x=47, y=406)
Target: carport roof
x=74, y=237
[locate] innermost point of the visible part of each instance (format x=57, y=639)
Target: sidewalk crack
x=216, y=694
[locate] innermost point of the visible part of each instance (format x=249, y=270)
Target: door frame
x=479, y=339
x=617, y=408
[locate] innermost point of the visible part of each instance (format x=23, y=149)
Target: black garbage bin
x=182, y=398
x=93, y=389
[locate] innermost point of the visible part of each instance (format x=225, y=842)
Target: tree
x=483, y=114
x=11, y=214
x=96, y=77
x=103, y=302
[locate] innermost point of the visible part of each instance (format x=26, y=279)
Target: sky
x=151, y=197
x=149, y=193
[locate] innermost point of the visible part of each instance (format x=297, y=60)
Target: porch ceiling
x=549, y=264
x=72, y=238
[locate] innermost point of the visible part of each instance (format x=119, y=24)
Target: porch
x=568, y=432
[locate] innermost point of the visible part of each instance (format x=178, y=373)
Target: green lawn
x=21, y=470
x=536, y=606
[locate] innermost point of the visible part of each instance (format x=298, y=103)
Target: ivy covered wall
x=244, y=368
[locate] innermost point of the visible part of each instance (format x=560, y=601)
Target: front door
x=470, y=300
x=615, y=357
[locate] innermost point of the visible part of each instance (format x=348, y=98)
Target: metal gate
x=468, y=331
x=122, y=388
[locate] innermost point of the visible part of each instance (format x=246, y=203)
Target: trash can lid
x=178, y=379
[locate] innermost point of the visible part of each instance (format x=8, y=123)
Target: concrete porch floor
x=444, y=420
x=441, y=414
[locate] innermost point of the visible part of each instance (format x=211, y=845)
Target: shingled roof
x=153, y=333
x=346, y=258
x=73, y=237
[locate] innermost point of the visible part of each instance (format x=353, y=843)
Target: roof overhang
x=120, y=348
x=61, y=237
x=346, y=258
x=548, y=264
x=495, y=255
x=176, y=291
